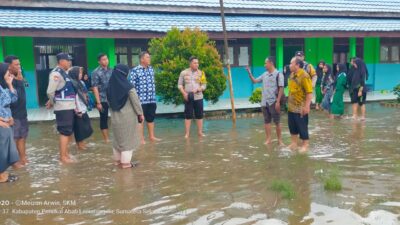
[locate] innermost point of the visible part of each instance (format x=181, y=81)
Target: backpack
x=283, y=99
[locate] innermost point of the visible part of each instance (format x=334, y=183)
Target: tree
x=170, y=55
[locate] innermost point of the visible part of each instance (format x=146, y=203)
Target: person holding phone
x=18, y=109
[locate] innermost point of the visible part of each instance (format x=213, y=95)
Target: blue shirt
x=6, y=98
x=144, y=83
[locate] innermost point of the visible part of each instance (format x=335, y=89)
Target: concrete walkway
x=42, y=114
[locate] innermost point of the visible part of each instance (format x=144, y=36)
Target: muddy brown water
x=224, y=178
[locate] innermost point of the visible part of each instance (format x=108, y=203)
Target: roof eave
x=124, y=34
x=183, y=9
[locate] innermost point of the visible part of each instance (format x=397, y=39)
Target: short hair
x=9, y=59
x=193, y=58
x=101, y=55
x=143, y=53
x=271, y=59
x=298, y=62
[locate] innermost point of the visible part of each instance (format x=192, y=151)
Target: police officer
x=61, y=95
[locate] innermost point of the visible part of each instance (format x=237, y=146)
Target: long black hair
x=328, y=74
x=3, y=71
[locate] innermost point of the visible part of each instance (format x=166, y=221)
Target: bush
x=256, y=96
x=170, y=55
x=396, y=91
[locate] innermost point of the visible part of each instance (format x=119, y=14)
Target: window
x=340, y=50
x=390, y=50
x=127, y=51
x=45, y=51
x=239, y=52
x=384, y=53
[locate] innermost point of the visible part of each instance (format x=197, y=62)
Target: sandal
x=133, y=165
x=11, y=179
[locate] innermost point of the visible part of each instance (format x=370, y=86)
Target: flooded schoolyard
x=224, y=178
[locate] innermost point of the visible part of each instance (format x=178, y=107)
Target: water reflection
x=224, y=178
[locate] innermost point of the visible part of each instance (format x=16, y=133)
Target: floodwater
x=224, y=178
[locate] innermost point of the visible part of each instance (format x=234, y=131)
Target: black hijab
x=3, y=71
x=79, y=88
x=118, y=87
x=342, y=68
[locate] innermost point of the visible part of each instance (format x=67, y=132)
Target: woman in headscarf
x=126, y=112
x=8, y=150
x=82, y=126
x=359, y=95
x=337, y=108
x=327, y=86
x=318, y=91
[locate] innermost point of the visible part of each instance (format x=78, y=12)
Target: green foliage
x=285, y=188
x=256, y=96
x=396, y=91
x=170, y=55
x=332, y=183
x=331, y=179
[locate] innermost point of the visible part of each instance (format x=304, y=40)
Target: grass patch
x=331, y=179
x=285, y=188
x=333, y=183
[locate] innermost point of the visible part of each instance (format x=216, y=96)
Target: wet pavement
x=224, y=178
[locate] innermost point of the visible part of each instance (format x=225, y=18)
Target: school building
x=332, y=30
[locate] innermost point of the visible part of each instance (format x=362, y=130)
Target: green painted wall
x=261, y=49
x=372, y=50
x=279, y=53
x=353, y=47
x=1, y=50
x=23, y=48
x=317, y=49
x=94, y=46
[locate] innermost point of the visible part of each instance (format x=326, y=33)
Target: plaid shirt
x=100, y=79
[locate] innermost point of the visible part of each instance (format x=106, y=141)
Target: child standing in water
x=327, y=87
x=318, y=89
x=337, y=108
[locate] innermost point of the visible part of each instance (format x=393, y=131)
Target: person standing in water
x=327, y=87
x=18, y=109
x=8, y=151
x=100, y=77
x=142, y=78
x=272, y=91
x=82, y=126
x=192, y=83
x=319, y=96
x=337, y=108
x=126, y=113
x=61, y=93
x=299, y=100
x=359, y=95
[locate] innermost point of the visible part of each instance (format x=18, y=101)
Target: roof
x=162, y=22
x=359, y=8
x=319, y=5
